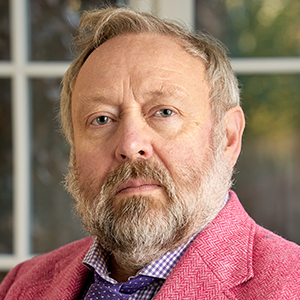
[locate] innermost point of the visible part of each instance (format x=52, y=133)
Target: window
x=36, y=213
x=264, y=45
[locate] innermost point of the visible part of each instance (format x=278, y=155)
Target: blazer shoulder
x=276, y=268
x=45, y=267
x=270, y=250
x=65, y=254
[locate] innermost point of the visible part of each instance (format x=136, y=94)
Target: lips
x=138, y=184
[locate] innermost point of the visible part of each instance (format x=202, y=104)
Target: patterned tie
x=101, y=289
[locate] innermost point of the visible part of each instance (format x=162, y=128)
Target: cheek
x=178, y=157
x=184, y=157
x=92, y=166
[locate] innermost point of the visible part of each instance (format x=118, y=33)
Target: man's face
x=142, y=98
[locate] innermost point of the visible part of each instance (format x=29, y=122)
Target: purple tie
x=101, y=289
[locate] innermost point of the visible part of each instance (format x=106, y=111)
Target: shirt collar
x=97, y=259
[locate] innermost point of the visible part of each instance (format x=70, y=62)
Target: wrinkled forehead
x=149, y=42
x=143, y=52
x=150, y=62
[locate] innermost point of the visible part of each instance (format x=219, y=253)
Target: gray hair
x=98, y=26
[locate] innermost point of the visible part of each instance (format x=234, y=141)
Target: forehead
x=145, y=62
x=144, y=44
x=135, y=50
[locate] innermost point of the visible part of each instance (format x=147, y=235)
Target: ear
x=235, y=124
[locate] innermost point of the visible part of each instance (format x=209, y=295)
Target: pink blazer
x=233, y=258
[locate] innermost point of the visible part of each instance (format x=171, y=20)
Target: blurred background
x=263, y=37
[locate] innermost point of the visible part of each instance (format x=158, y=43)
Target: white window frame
x=20, y=70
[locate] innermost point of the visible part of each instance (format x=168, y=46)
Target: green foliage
x=253, y=27
x=271, y=104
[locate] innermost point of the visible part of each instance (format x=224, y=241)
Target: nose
x=134, y=141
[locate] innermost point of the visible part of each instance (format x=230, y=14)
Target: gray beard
x=140, y=231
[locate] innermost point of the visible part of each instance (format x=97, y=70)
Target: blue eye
x=165, y=113
x=102, y=120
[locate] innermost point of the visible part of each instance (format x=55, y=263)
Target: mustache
x=140, y=168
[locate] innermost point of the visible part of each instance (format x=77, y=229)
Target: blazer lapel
x=66, y=283
x=219, y=259
x=70, y=283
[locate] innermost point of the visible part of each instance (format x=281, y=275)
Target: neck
x=120, y=272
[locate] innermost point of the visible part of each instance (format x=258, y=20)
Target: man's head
x=99, y=26
x=153, y=118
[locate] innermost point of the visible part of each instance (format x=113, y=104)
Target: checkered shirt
x=96, y=260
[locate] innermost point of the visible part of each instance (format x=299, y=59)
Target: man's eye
x=165, y=113
x=102, y=120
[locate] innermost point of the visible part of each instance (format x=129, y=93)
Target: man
x=152, y=115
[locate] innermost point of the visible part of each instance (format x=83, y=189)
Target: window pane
x=53, y=23
x=253, y=28
x=53, y=222
x=4, y=30
x=5, y=167
x=269, y=167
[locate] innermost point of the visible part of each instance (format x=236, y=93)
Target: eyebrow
x=96, y=97
x=166, y=91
